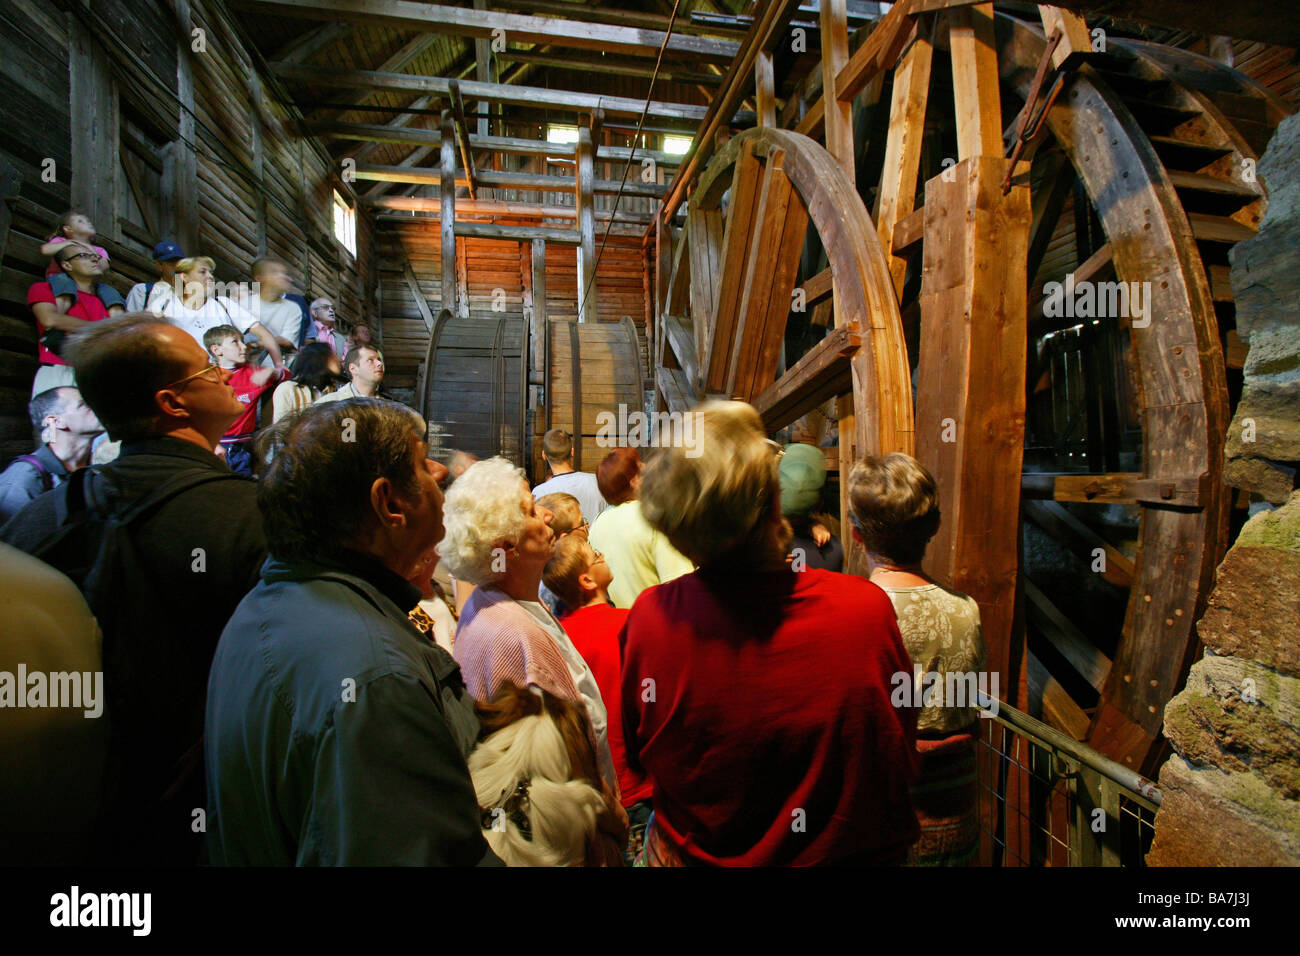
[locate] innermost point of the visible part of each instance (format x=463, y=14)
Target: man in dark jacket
x=183, y=564
x=337, y=733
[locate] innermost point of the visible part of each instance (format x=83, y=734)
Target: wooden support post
x=538, y=331
x=704, y=246
x=447, y=193
x=93, y=95
x=837, y=120
x=482, y=70
x=975, y=83
x=586, y=175
x=971, y=389
x=897, y=196
x=180, y=179
x=255, y=121
x=764, y=89
x=839, y=112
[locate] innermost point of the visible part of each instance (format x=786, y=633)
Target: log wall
x=224, y=171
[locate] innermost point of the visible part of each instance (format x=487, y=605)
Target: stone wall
x=1232, y=788
x=1263, y=445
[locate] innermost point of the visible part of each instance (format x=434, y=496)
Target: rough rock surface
x=1232, y=789
x=1266, y=285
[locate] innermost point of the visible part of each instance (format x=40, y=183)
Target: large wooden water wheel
x=1161, y=144
x=1143, y=175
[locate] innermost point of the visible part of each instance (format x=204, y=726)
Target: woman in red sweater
x=757, y=698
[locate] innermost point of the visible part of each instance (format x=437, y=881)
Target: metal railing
x=1047, y=800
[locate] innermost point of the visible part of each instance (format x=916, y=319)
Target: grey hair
x=333, y=452
x=483, y=511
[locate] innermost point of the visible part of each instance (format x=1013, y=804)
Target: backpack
x=97, y=552
x=47, y=479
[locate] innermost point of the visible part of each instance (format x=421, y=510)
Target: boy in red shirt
x=225, y=343
x=580, y=577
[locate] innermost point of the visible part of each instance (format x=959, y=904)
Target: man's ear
x=385, y=503
x=171, y=404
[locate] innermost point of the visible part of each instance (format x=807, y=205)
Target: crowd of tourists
x=365, y=656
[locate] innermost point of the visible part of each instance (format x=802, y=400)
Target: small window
x=677, y=145
x=561, y=134
x=345, y=223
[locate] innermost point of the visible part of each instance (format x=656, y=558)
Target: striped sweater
x=499, y=642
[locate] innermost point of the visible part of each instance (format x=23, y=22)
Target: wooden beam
x=908, y=233
x=459, y=21
x=447, y=212
x=971, y=389
x=421, y=303
x=497, y=207
x=1082, y=654
x=817, y=288
x=1059, y=708
x=462, y=139
x=611, y=66
x=682, y=341
x=1246, y=19
x=897, y=196
x=975, y=83
x=1081, y=540
x=1124, y=488
x=482, y=70
x=825, y=371
x=533, y=182
x=533, y=96
x=516, y=146
x=488, y=230
x=1076, y=43
x=394, y=64
x=674, y=388
x=307, y=44
x=879, y=52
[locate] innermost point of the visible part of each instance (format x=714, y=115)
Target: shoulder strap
x=47, y=479
x=148, y=291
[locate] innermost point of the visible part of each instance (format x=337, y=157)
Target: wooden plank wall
x=275, y=199
x=491, y=264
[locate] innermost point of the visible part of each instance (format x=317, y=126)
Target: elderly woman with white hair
x=748, y=670
x=499, y=539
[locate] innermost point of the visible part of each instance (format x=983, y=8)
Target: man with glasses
x=84, y=266
x=185, y=543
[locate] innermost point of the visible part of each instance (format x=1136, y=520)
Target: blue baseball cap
x=167, y=252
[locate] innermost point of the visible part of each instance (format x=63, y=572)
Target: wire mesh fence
x=1047, y=800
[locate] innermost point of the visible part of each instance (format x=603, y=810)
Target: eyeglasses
x=597, y=557
x=206, y=371
x=84, y=255
x=777, y=448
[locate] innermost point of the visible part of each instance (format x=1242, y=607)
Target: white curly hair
x=483, y=511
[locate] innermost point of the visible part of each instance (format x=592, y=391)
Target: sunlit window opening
x=345, y=223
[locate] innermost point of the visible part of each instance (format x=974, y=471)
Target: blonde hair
x=483, y=510
x=895, y=506
x=719, y=496
x=566, y=508
x=572, y=559
x=189, y=262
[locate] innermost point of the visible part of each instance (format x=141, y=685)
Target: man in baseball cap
x=165, y=256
